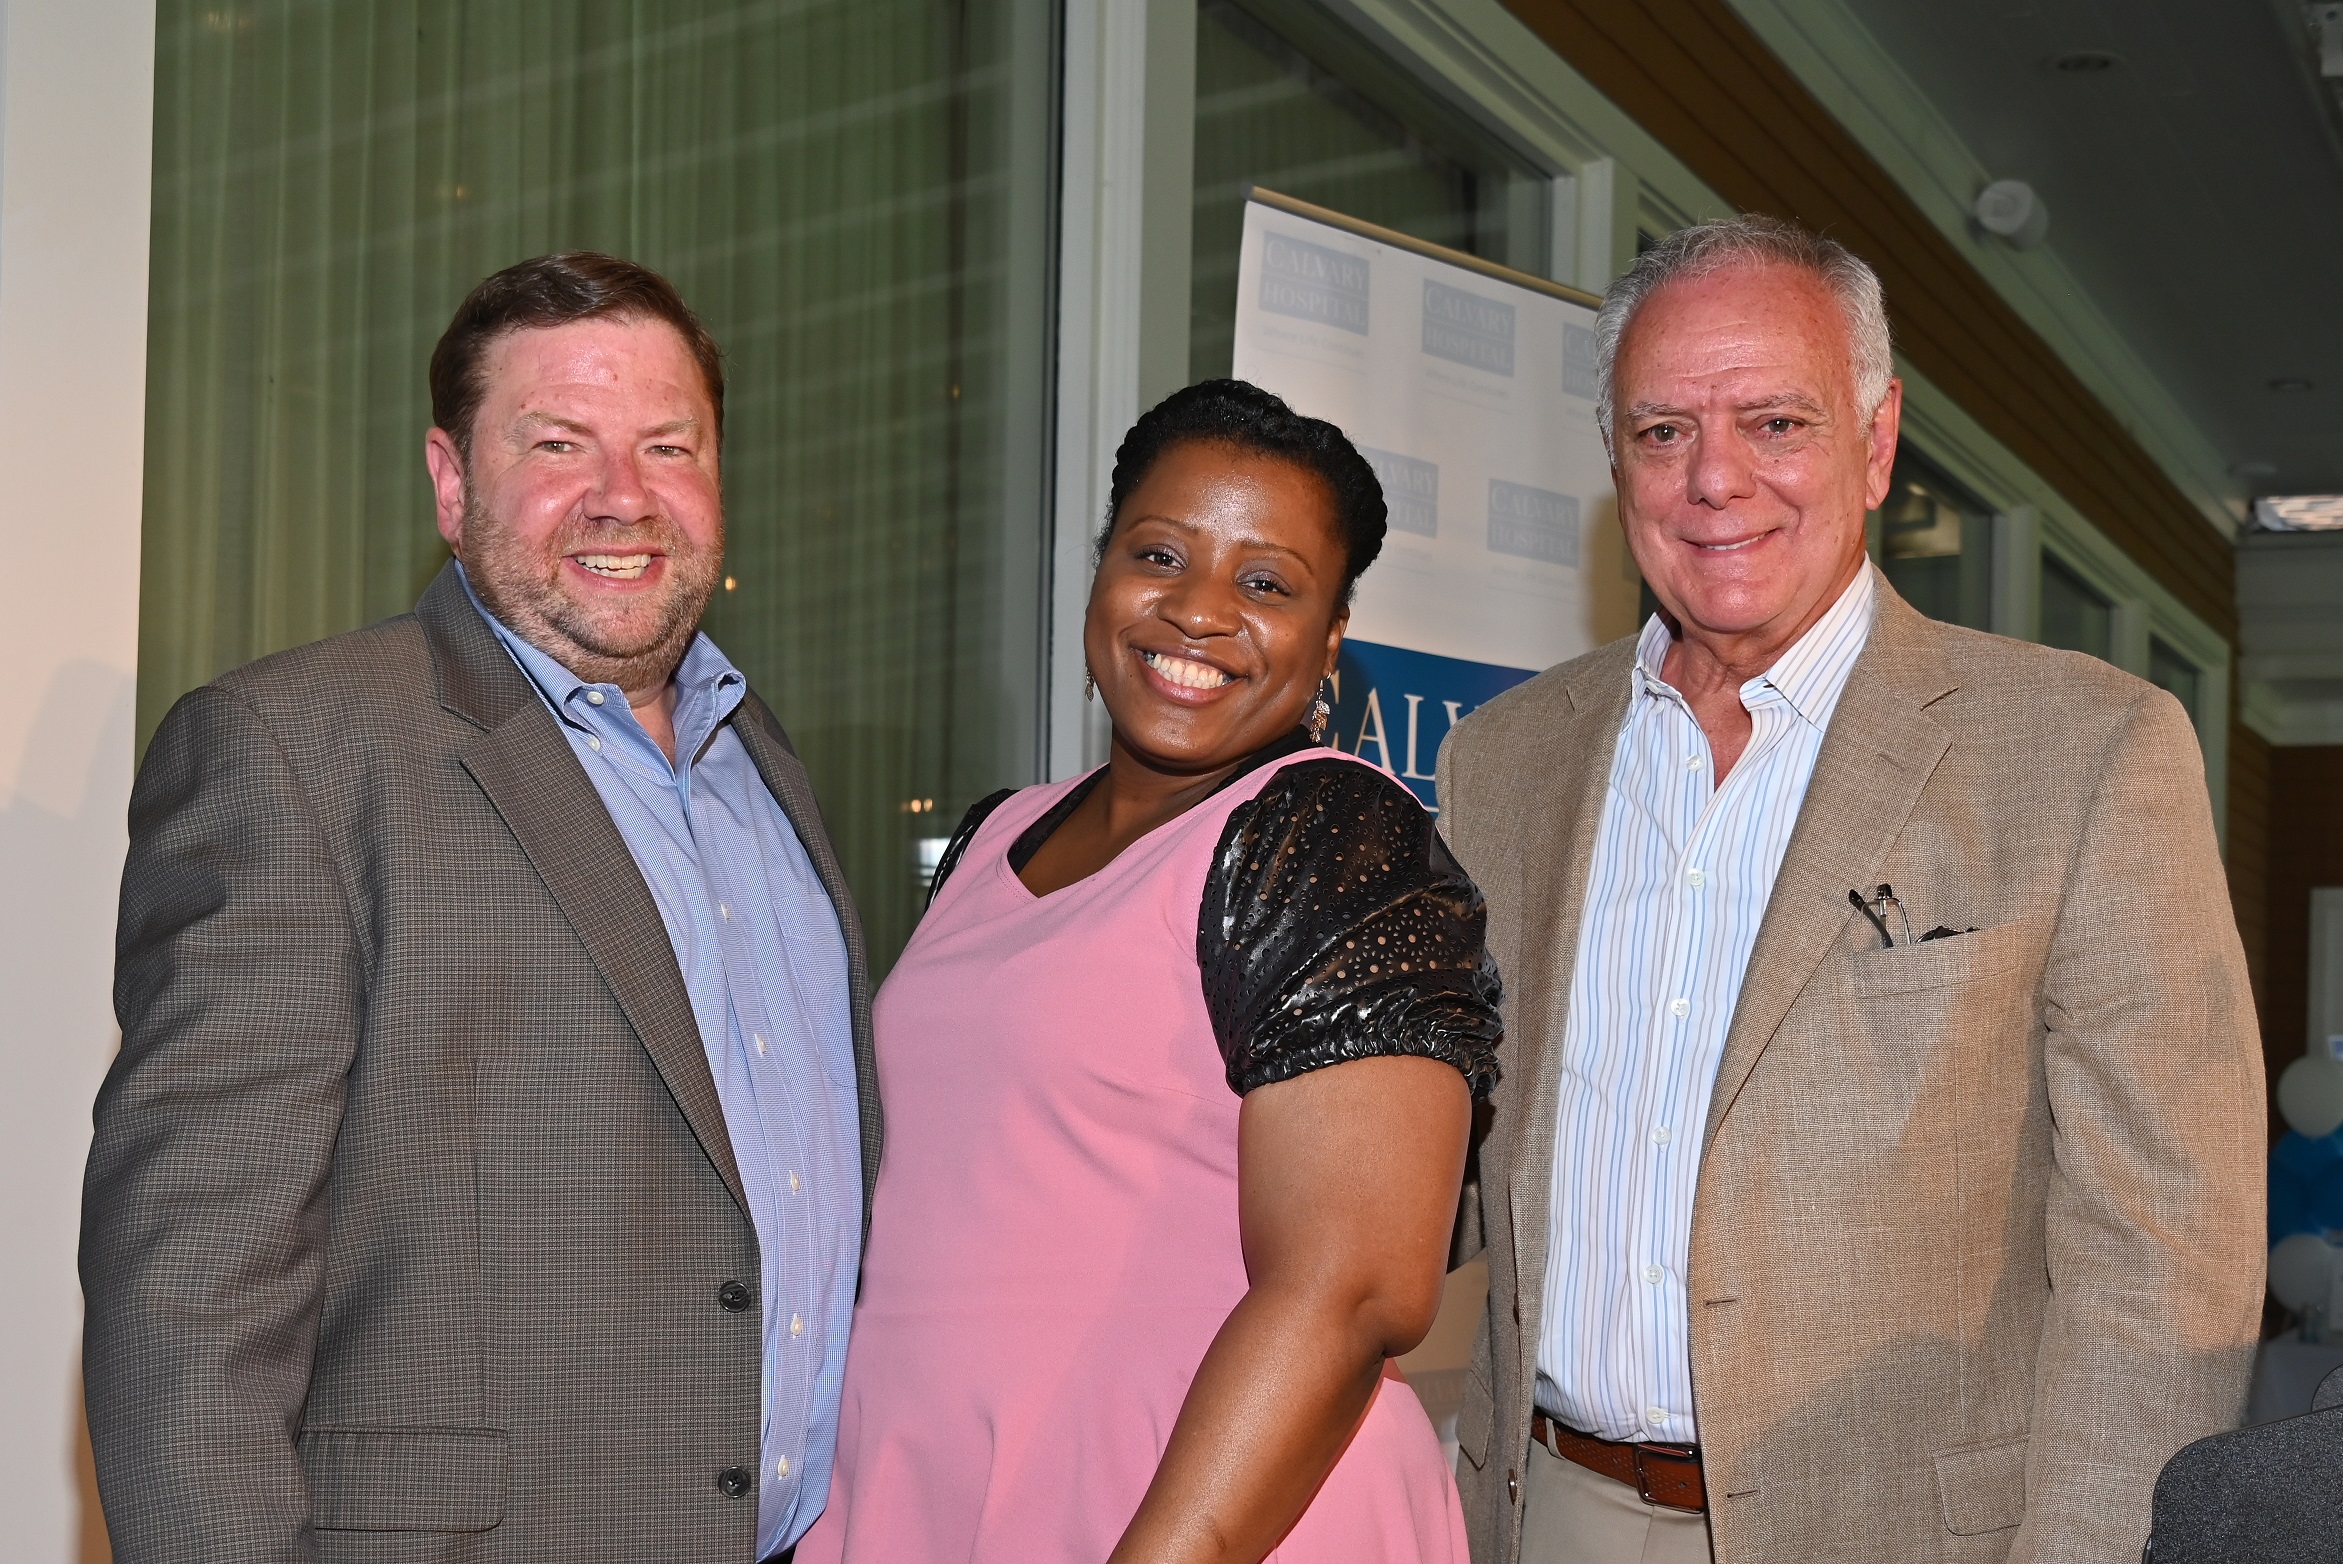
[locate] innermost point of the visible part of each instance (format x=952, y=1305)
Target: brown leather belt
x=1665, y=1475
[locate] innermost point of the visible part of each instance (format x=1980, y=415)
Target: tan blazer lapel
x=526, y=767
x=1568, y=804
x=1879, y=753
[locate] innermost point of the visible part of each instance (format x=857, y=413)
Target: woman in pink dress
x=1178, y=1073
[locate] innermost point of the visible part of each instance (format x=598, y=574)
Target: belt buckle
x=1643, y=1485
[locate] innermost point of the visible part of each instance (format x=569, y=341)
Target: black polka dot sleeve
x=1336, y=926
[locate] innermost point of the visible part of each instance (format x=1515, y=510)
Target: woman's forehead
x=1239, y=495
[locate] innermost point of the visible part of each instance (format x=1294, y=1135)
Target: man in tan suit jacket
x=1969, y=1235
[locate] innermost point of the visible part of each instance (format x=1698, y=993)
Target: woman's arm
x=1347, y=1183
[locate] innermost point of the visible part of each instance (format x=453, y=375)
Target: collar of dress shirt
x=707, y=690
x=1809, y=677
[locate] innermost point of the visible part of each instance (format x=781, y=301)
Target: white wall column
x=76, y=120
x=1125, y=224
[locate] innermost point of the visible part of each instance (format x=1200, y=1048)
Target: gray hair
x=1752, y=240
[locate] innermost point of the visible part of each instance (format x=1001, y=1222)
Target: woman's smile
x=1185, y=677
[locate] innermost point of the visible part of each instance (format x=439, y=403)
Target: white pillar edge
x=1102, y=161
x=76, y=177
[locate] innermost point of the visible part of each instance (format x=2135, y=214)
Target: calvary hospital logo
x=1311, y=282
x=1466, y=329
x=1533, y=523
x=1411, y=490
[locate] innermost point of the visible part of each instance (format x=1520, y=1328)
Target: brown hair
x=556, y=290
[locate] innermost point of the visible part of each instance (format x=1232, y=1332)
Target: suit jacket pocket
x=1940, y=963
x=1474, y=1420
x=405, y=1479
x=1983, y=1488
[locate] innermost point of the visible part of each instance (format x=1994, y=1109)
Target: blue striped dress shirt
x=1681, y=875
x=764, y=962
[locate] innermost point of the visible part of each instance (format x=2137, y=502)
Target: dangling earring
x=1321, y=714
x=1089, y=686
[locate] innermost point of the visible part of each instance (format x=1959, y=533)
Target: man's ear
x=1880, y=458
x=446, y=466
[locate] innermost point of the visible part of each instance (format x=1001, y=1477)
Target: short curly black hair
x=1240, y=414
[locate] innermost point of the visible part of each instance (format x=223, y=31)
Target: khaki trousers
x=1573, y=1516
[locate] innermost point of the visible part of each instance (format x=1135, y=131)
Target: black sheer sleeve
x=978, y=812
x=1336, y=926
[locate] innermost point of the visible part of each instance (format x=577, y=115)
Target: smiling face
x=588, y=515
x=1217, y=608
x=1742, y=462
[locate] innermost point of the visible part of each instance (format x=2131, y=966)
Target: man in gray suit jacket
x=485, y=1169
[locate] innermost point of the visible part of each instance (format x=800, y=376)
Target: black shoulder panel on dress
x=978, y=813
x=1336, y=926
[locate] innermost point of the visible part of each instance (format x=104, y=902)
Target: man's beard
x=636, y=645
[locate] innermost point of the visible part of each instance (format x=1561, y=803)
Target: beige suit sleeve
x=2154, y=1222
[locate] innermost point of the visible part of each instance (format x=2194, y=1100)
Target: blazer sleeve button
x=732, y=1297
x=733, y=1481
x=1513, y=1487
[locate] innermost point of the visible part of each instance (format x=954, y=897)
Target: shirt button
x=1695, y=879
x=595, y=744
x=1692, y=762
x=726, y=910
x=760, y=1045
x=1660, y=1136
x=1654, y=1275
x=793, y=1181
x=593, y=697
x=797, y=1325
x=782, y=1466
x=1679, y=1008
x=1655, y=1415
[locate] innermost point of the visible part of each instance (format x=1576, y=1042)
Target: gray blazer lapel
x=1879, y=753
x=525, y=766
x=1570, y=798
x=776, y=761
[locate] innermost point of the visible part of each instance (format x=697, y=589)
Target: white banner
x=1473, y=396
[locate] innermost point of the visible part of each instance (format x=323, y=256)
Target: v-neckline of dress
x=1028, y=842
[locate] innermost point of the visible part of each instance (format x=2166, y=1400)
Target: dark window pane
x=2168, y=670
x=2074, y=616
x=1936, y=543
x=1288, y=99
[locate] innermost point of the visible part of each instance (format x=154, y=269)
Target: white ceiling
x=2195, y=190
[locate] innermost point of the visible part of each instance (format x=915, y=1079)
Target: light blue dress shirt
x=1682, y=873
x=764, y=962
